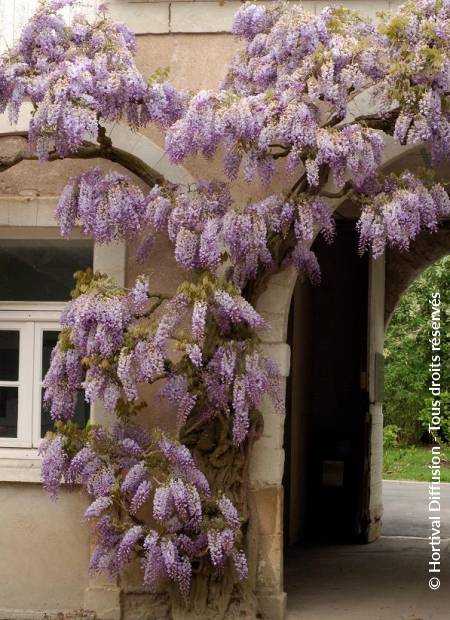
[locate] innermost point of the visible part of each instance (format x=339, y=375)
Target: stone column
x=375, y=376
x=267, y=459
x=102, y=594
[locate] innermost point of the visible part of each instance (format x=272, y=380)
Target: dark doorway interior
x=327, y=423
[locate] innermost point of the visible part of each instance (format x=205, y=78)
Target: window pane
x=41, y=269
x=9, y=355
x=49, y=339
x=8, y=411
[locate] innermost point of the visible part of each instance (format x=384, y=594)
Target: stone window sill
x=18, y=465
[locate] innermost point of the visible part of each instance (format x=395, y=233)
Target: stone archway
x=402, y=268
x=268, y=457
x=133, y=150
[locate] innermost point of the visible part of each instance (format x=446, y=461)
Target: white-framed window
x=36, y=276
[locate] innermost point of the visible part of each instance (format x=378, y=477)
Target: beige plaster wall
x=43, y=550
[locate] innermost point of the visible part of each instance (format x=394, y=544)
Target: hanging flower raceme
x=202, y=222
x=416, y=73
x=75, y=74
x=139, y=364
x=201, y=383
x=395, y=216
x=63, y=379
x=192, y=220
x=107, y=206
x=236, y=379
x=99, y=317
x=194, y=383
x=273, y=97
x=287, y=90
x=55, y=463
x=192, y=524
x=248, y=233
x=111, y=207
x=142, y=359
x=94, y=327
x=353, y=150
x=287, y=44
x=110, y=346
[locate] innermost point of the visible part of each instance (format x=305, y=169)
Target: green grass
x=411, y=463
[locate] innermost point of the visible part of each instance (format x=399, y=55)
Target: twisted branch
x=103, y=150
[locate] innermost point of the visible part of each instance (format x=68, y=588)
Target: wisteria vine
x=284, y=109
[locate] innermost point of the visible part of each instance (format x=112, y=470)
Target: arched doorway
x=270, y=471
x=333, y=432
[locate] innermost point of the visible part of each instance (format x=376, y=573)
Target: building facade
x=44, y=546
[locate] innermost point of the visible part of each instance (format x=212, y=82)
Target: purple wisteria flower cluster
x=285, y=91
x=124, y=470
x=111, y=207
x=94, y=325
x=288, y=96
x=192, y=221
x=107, y=206
x=247, y=234
x=109, y=346
x=238, y=375
x=75, y=74
x=202, y=221
x=416, y=73
x=208, y=229
x=396, y=215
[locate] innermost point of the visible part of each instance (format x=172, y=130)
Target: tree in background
x=407, y=402
x=287, y=111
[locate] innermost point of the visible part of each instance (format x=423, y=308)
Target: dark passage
x=326, y=427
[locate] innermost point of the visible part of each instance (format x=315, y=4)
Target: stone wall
x=163, y=17
x=403, y=267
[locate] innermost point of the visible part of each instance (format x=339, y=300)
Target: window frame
x=24, y=218
x=31, y=319
x=23, y=382
x=34, y=314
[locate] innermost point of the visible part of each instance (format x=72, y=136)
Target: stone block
x=270, y=564
x=277, y=327
x=281, y=354
x=367, y=8
x=202, y=16
x=268, y=509
x=273, y=423
x=142, y=18
x=275, y=299
x=145, y=606
x=266, y=465
x=104, y=601
x=273, y=607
